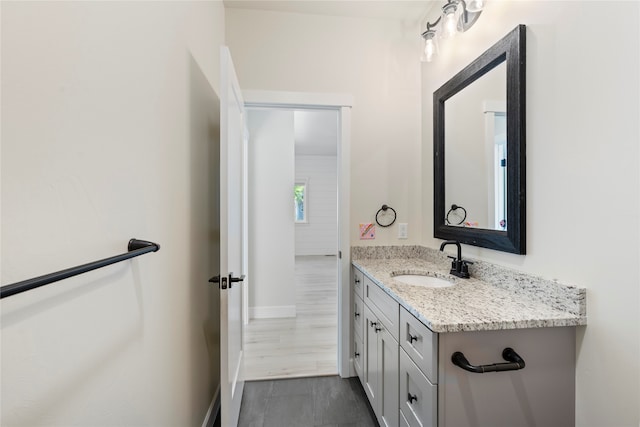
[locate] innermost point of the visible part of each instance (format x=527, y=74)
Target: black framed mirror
x=479, y=150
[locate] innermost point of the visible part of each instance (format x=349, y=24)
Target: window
x=300, y=201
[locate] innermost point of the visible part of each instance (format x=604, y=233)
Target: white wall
x=583, y=186
x=372, y=59
x=319, y=236
x=271, y=223
x=109, y=124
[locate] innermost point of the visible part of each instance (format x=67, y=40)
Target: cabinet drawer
x=420, y=344
x=357, y=282
x=418, y=397
x=383, y=306
x=358, y=317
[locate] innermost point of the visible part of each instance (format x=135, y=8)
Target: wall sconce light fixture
x=457, y=17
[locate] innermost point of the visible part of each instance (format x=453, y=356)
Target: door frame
x=343, y=104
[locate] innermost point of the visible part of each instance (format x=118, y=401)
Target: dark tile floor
x=306, y=402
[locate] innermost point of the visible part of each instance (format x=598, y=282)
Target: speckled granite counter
x=494, y=298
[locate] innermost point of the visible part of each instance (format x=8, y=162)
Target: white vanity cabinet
x=410, y=378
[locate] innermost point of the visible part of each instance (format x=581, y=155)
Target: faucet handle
x=454, y=262
x=464, y=268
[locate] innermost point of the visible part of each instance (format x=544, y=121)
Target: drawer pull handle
x=412, y=338
x=378, y=329
x=412, y=398
x=356, y=354
x=372, y=323
x=356, y=314
x=514, y=362
x=357, y=280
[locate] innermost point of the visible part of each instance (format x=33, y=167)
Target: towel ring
x=454, y=208
x=384, y=208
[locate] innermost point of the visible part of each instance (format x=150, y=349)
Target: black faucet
x=459, y=266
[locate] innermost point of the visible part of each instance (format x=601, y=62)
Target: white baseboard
x=214, y=409
x=272, y=312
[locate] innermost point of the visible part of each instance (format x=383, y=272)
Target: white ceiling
x=412, y=10
x=316, y=132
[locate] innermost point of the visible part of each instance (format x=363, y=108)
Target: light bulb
x=475, y=5
x=429, y=50
x=430, y=46
x=449, y=21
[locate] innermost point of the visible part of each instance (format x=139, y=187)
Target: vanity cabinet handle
x=357, y=280
x=356, y=354
x=412, y=398
x=375, y=326
x=356, y=314
x=514, y=362
x=412, y=338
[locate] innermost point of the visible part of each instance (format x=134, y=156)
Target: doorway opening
x=292, y=329
x=298, y=202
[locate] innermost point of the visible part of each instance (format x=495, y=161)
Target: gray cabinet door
x=358, y=316
x=388, y=368
x=371, y=373
x=358, y=356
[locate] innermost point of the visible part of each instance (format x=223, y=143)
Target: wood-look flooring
x=307, y=344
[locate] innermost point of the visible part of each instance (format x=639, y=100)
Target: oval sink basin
x=422, y=280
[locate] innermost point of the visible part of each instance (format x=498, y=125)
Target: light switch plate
x=403, y=231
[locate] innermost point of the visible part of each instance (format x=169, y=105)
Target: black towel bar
x=135, y=247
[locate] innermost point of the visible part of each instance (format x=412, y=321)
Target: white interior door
x=232, y=130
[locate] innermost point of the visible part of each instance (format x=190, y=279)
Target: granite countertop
x=517, y=301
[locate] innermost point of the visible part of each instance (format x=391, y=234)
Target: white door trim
x=268, y=98
x=341, y=103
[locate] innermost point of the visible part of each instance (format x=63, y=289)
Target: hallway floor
x=307, y=344
x=305, y=402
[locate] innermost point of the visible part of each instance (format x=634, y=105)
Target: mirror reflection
x=476, y=147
